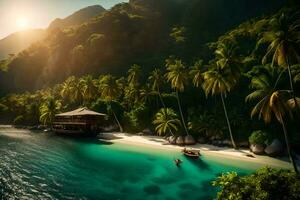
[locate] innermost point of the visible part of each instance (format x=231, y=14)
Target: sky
x=18, y=15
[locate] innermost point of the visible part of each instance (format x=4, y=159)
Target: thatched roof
x=80, y=112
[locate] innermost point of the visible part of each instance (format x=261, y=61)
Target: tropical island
x=160, y=76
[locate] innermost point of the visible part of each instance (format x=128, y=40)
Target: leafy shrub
x=19, y=120
x=265, y=184
x=137, y=119
x=3, y=108
x=258, y=137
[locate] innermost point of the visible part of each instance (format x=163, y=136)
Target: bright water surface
x=44, y=166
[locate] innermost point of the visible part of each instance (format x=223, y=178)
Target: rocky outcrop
x=189, y=140
x=180, y=140
x=147, y=131
x=227, y=143
x=258, y=149
x=172, y=139
x=275, y=148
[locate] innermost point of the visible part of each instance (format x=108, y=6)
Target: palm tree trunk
x=116, y=118
x=160, y=97
x=292, y=85
x=228, y=123
x=288, y=146
x=181, y=114
x=118, y=122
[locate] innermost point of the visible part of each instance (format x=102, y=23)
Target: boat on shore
x=191, y=153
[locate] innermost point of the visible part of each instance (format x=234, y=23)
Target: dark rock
x=275, y=148
x=189, y=140
x=227, y=143
x=180, y=140
x=258, y=149
x=218, y=143
x=251, y=147
x=147, y=131
x=172, y=139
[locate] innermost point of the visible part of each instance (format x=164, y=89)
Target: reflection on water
x=44, y=166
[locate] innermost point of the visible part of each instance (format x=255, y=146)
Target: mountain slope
x=19, y=41
x=78, y=17
x=135, y=32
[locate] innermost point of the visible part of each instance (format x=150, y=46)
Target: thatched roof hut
x=81, y=120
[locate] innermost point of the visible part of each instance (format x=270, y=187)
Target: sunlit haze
x=18, y=15
x=23, y=22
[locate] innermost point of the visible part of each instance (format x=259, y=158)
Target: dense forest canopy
x=135, y=32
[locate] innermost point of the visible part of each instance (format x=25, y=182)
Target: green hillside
x=77, y=18
x=135, y=32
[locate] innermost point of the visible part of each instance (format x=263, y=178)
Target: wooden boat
x=191, y=153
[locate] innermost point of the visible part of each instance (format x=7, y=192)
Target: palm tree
x=296, y=72
x=134, y=74
x=147, y=94
x=283, y=38
x=177, y=75
x=271, y=102
x=220, y=81
x=110, y=90
x=166, y=121
x=48, y=111
x=156, y=78
x=72, y=90
x=196, y=73
x=89, y=88
x=226, y=58
x=131, y=89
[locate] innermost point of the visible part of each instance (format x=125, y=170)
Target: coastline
x=209, y=151
x=159, y=143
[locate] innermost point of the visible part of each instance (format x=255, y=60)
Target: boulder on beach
x=189, y=140
x=227, y=143
x=258, y=149
x=147, y=131
x=275, y=148
x=172, y=139
x=218, y=143
x=251, y=147
x=180, y=140
x=202, y=140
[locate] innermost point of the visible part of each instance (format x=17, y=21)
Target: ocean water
x=45, y=166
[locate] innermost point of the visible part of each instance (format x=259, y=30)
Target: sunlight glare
x=23, y=22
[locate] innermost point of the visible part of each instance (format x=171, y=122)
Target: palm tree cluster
x=270, y=70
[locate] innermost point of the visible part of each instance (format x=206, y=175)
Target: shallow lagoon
x=44, y=166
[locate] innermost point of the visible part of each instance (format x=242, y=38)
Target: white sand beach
x=221, y=152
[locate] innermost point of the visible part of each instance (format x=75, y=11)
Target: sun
x=22, y=22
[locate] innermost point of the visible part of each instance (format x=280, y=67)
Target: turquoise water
x=45, y=166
